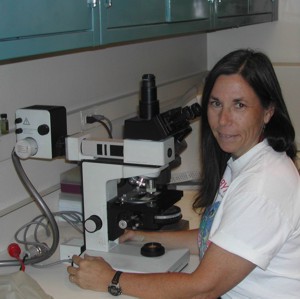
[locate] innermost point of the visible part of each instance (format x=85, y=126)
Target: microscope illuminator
x=40, y=131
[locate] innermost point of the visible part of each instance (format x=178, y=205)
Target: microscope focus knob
x=132, y=222
x=123, y=224
x=93, y=223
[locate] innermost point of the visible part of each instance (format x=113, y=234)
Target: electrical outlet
x=95, y=110
x=97, y=124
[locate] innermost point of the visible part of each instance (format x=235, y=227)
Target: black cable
x=106, y=128
x=99, y=118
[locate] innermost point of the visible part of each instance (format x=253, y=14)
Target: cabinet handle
x=108, y=3
x=92, y=3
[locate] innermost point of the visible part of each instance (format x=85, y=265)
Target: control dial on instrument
x=93, y=224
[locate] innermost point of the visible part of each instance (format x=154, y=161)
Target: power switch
x=18, y=120
x=43, y=129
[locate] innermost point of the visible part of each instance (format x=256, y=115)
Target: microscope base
x=127, y=258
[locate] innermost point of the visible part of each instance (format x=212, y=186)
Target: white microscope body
x=104, y=163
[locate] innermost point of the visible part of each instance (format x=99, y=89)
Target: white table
x=55, y=282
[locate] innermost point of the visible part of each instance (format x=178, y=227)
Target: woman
x=249, y=236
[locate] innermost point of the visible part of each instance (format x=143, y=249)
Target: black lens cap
x=152, y=249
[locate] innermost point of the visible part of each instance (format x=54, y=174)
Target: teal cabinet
x=31, y=27
x=127, y=20
x=235, y=13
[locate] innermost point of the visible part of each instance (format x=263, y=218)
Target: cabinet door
x=31, y=27
x=231, y=8
x=264, y=7
x=235, y=13
x=127, y=20
x=260, y=6
x=187, y=10
x=127, y=13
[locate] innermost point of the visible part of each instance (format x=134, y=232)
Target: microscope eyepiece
x=149, y=105
x=150, y=124
x=196, y=108
x=191, y=112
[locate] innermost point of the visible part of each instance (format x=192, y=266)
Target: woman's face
x=235, y=115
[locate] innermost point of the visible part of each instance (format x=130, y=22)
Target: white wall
x=109, y=77
x=279, y=40
x=76, y=80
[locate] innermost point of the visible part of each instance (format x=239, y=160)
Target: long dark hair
x=257, y=70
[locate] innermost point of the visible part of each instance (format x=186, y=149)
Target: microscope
x=125, y=184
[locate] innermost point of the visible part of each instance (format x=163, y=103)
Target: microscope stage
x=128, y=258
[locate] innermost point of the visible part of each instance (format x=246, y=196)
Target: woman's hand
x=90, y=272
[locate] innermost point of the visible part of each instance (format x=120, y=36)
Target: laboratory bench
x=54, y=280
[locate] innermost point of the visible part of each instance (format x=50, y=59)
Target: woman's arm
x=218, y=272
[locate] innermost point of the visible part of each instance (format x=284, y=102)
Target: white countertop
x=54, y=281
